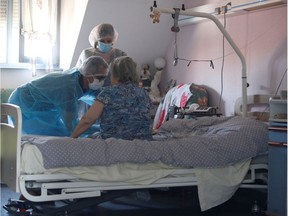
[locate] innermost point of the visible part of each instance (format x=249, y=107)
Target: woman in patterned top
x=123, y=109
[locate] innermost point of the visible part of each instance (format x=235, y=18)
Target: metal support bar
x=228, y=38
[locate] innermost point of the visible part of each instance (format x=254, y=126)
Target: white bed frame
x=10, y=145
x=75, y=188
x=66, y=187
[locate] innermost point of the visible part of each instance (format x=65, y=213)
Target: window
x=9, y=31
x=29, y=32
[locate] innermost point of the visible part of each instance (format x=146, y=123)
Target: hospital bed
x=113, y=168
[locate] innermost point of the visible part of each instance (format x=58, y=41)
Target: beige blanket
x=217, y=185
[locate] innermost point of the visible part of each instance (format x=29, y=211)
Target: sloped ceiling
x=138, y=36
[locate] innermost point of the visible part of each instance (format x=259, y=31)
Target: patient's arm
x=88, y=119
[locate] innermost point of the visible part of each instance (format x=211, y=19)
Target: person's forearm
x=81, y=128
x=88, y=119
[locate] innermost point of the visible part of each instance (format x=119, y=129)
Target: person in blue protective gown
x=50, y=104
x=123, y=108
x=102, y=39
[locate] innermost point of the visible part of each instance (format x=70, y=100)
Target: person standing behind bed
x=102, y=39
x=50, y=104
x=123, y=109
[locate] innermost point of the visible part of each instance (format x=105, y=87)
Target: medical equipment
x=158, y=11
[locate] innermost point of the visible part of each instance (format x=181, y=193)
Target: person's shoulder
x=105, y=90
x=142, y=92
x=72, y=71
x=120, y=52
x=136, y=89
x=88, y=50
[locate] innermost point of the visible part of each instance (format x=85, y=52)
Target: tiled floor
x=175, y=201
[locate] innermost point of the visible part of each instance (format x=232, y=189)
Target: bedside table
x=277, y=173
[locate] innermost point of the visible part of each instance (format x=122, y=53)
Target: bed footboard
x=10, y=145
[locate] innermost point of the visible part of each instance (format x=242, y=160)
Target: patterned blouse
x=126, y=113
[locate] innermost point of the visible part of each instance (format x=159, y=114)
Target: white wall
x=12, y=78
x=138, y=36
x=72, y=13
x=262, y=38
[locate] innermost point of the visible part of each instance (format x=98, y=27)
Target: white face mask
x=96, y=84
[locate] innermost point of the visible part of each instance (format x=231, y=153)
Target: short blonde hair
x=124, y=69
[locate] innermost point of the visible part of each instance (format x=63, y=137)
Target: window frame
x=23, y=62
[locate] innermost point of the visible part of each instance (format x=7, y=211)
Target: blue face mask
x=103, y=47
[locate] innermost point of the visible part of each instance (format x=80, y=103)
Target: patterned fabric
x=199, y=95
x=181, y=96
x=126, y=112
x=177, y=96
x=205, y=142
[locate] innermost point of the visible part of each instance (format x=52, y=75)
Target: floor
x=174, y=201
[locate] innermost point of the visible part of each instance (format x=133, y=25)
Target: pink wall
x=261, y=37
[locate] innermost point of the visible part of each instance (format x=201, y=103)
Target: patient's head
x=104, y=33
x=123, y=70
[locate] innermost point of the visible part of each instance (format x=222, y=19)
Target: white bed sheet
x=217, y=185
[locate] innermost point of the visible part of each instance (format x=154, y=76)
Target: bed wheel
x=18, y=207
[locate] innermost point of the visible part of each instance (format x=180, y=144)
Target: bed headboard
x=10, y=145
x=257, y=106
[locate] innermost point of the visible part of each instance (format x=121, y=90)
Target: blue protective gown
x=50, y=104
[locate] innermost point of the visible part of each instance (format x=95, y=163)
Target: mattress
x=215, y=185
x=32, y=163
x=203, y=143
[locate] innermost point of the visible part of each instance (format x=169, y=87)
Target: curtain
x=39, y=28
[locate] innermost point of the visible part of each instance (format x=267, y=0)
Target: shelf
x=278, y=110
x=278, y=101
x=278, y=128
x=277, y=120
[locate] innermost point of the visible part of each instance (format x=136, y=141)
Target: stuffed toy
x=145, y=77
x=154, y=93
